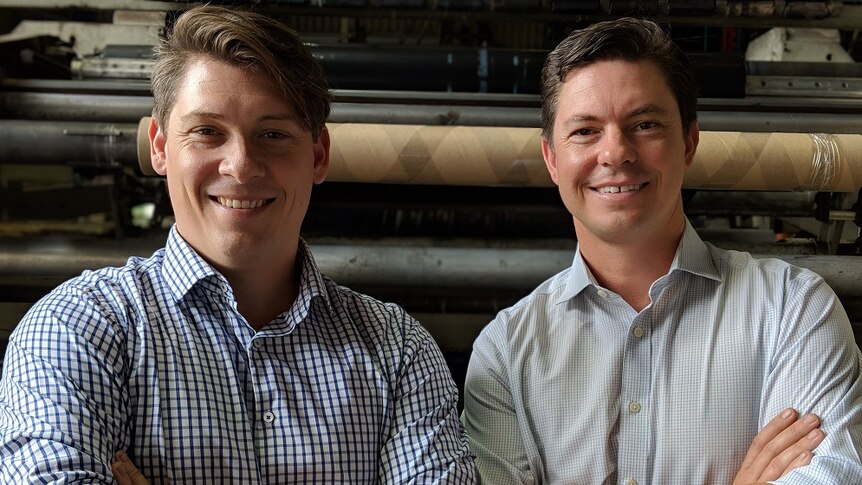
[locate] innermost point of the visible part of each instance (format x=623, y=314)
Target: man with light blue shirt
x=656, y=357
x=227, y=357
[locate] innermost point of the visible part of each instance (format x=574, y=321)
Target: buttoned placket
x=634, y=426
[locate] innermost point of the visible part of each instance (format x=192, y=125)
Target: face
x=618, y=152
x=239, y=166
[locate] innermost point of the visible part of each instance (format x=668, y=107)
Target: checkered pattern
x=571, y=385
x=153, y=358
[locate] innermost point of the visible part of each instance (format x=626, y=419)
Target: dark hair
x=627, y=39
x=248, y=40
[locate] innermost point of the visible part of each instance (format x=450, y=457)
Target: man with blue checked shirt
x=656, y=357
x=227, y=357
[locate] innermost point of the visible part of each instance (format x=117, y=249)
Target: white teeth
x=240, y=204
x=613, y=189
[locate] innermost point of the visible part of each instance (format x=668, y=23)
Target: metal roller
x=397, y=266
x=113, y=108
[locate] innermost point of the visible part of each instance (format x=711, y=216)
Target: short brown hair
x=626, y=39
x=248, y=40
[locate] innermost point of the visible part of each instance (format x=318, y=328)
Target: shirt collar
x=692, y=256
x=184, y=268
x=312, y=283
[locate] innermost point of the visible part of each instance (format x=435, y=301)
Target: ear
x=550, y=157
x=691, y=141
x=157, y=148
x=321, y=156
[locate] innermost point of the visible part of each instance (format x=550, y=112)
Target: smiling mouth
x=242, y=204
x=613, y=189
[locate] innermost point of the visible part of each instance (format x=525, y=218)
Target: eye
x=205, y=131
x=646, y=125
x=583, y=132
x=274, y=135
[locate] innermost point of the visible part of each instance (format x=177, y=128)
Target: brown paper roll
x=777, y=161
x=447, y=155
x=471, y=155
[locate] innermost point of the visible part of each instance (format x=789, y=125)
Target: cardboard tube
x=471, y=155
x=777, y=161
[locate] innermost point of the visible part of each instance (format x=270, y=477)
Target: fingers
x=782, y=445
x=797, y=453
x=125, y=472
x=778, y=424
x=801, y=459
x=120, y=468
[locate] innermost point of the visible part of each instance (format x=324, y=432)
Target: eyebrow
x=196, y=115
x=648, y=108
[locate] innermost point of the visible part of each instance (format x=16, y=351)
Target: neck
x=265, y=289
x=630, y=268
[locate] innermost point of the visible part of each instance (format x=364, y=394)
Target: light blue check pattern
x=153, y=358
x=571, y=385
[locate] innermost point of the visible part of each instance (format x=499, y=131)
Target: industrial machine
x=456, y=218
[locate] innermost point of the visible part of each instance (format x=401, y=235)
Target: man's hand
x=784, y=444
x=126, y=472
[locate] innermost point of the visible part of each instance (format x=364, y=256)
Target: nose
x=240, y=162
x=615, y=148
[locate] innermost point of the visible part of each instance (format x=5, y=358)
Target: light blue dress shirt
x=572, y=385
x=154, y=358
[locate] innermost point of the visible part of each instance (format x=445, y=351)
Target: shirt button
x=268, y=417
x=638, y=331
x=631, y=481
x=602, y=293
x=634, y=407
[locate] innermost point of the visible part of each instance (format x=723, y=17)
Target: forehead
x=615, y=85
x=208, y=82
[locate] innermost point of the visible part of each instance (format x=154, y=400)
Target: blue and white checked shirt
x=154, y=358
x=571, y=385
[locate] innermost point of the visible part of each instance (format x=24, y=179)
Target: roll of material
x=436, y=155
x=777, y=161
x=475, y=155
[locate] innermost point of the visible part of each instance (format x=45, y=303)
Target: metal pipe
x=104, y=108
x=127, y=109
x=747, y=104
x=399, y=266
x=102, y=144
x=435, y=68
x=725, y=203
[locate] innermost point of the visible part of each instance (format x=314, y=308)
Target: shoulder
x=795, y=299
x=519, y=322
x=369, y=310
x=88, y=301
x=396, y=340
x=379, y=323
x=116, y=286
x=87, y=320
x=743, y=266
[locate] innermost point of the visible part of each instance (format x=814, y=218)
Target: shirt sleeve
x=427, y=443
x=489, y=415
x=816, y=368
x=62, y=394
